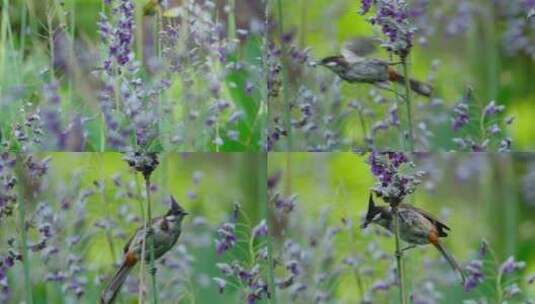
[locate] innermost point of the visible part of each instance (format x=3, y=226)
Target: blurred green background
x=479, y=196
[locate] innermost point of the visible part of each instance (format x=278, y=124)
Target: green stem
x=399, y=258
x=231, y=20
x=492, y=57
x=499, y=293
x=302, y=37
x=408, y=101
x=284, y=71
x=22, y=32
x=139, y=32
x=3, y=41
x=143, y=246
x=511, y=207
x=364, y=130
x=161, y=113
x=23, y=233
x=262, y=193
x=50, y=28
x=356, y=272
x=150, y=232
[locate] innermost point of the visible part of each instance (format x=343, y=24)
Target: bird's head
x=337, y=64
x=176, y=213
x=376, y=214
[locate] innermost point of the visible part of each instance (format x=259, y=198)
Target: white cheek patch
x=332, y=64
x=376, y=217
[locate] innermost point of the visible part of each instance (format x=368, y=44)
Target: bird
x=353, y=66
x=416, y=227
x=166, y=231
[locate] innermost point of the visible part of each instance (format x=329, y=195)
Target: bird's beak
x=185, y=213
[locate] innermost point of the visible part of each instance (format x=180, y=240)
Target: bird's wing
x=127, y=245
x=440, y=225
x=138, y=230
x=355, y=49
x=350, y=57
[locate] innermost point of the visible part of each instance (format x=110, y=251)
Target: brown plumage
x=416, y=227
x=352, y=67
x=166, y=230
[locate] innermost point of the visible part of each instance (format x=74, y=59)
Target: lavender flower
x=393, y=19
x=392, y=184
x=119, y=37
x=493, y=132
x=261, y=229
x=226, y=238
x=8, y=181
x=512, y=290
x=142, y=162
x=492, y=109
x=221, y=283
x=365, y=6
x=475, y=275
x=510, y=265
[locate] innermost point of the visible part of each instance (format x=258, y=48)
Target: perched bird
x=416, y=227
x=352, y=66
x=166, y=230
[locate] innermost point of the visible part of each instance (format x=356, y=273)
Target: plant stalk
x=408, y=100
x=143, y=244
x=265, y=213
x=399, y=258
x=232, y=20
x=284, y=71
x=150, y=234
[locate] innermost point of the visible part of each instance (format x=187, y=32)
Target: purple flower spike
x=475, y=275
x=261, y=229
x=227, y=238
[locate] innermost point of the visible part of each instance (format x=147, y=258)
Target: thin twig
x=143, y=245
x=399, y=257
x=150, y=234
x=408, y=100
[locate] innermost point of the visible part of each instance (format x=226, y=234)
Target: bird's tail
x=110, y=292
x=451, y=260
x=419, y=87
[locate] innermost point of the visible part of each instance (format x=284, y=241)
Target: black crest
x=175, y=209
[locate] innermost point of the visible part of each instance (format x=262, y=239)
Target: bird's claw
x=407, y=248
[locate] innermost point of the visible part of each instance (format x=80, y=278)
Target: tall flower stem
x=23, y=233
x=285, y=80
x=232, y=19
x=150, y=235
x=408, y=100
x=399, y=258
x=143, y=244
x=265, y=213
